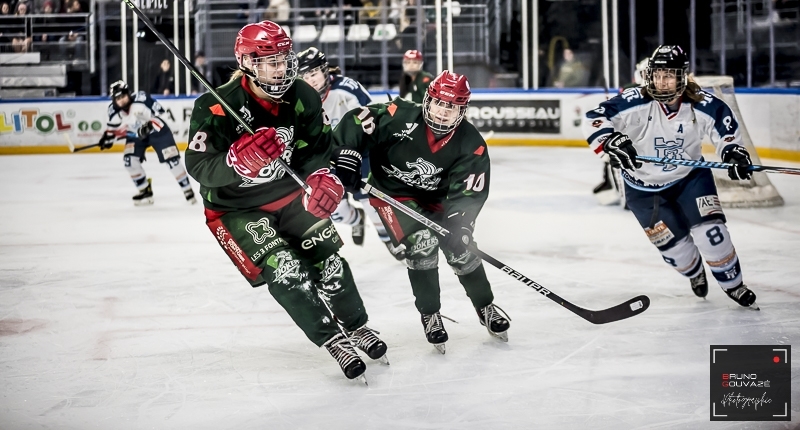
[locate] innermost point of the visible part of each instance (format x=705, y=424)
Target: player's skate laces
x=495, y=320
x=189, y=194
x=700, y=284
x=145, y=196
x=365, y=339
x=358, y=228
x=342, y=350
x=434, y=330
x=742, y=295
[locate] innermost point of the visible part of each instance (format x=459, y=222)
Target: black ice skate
x=358, y=229
x=743, y=296
x=495, y=320
x=189, y=194
x=366, y=340
x=342, y=350
x=398, y=252
x=434, y=330
x=145, y=196
x=700, y=284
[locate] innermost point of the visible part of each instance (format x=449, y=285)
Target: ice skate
x=398, y=252
x=358, y=229
x=434, y=330
x=700, y=284
x=495, y=320
x=366, y=340
x=343, y=351
x=189, y=194
x=145, y=196
x=743, y=296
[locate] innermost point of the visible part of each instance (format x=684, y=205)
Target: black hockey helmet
x=310, y=60
x=672, y=61
x=118, y=89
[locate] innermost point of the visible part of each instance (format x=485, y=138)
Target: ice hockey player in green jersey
x=414, y=82
x=274, y=233
x=432, y=161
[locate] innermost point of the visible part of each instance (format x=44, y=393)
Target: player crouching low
x=135, y=117
x=677, y=206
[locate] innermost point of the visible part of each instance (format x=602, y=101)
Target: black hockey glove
x=460, y=233
x=347, y=166
x=621, y=152
x=106, y=141
x=740, y=158
x=145, y=130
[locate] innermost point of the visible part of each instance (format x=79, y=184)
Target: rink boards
x=505, y=117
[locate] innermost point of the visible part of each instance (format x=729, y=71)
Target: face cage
x=325, y=73
x=666, y=96
x=436, y=126
x=276, y=90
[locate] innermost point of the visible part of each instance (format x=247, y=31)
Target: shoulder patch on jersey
x=299, y=107
x=217, y=110
x=480, y=150
x=426, y=79
x=392, y=109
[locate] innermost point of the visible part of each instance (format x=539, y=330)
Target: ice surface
x=118, y=317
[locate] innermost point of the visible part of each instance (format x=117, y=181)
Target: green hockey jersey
x=407, y=161
x=418, y=86
x=298, y=119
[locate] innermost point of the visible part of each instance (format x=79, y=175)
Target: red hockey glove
x=326, y=193
x=251, y=153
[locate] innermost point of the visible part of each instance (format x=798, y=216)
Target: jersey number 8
x=198, y=142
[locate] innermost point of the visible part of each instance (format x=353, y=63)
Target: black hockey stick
x=72, y=147
x=630, y=308
x=716, y=165
x=186, y=63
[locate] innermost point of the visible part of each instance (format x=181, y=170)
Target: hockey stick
x=199, y=76
x=717, y=165
x=72, y=147
x=621, y=311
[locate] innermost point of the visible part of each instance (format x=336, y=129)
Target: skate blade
x=754, y=307
x=362, y=378
x=502, y=336
x=439, y=347
x=144, y=202
x=384, y=359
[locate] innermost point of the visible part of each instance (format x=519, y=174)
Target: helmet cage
x=277, y=86
x=666, y=95
x=437, y=123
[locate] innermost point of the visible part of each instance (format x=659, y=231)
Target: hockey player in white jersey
x=341, y=94
x=677, y=206
x=135, y=118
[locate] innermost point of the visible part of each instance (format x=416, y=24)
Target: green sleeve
x=314, y=143
x=358, y=129
x=210, y=132
x=469, y=180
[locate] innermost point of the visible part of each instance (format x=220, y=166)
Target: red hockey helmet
x=446, y=102
x=412, y=61
x=264, y=52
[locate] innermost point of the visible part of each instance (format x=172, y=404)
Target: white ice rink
x=118, y=317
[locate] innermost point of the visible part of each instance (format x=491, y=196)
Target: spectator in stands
x=5, y=8
x=42, y=40
x=22, y=43
x=5, y=42
x=55, y=5
x=164, y=80
x=572, y=72
x=202, y=67
x=278, y=10
x=73, y=44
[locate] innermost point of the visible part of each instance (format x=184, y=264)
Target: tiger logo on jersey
x=423, y=175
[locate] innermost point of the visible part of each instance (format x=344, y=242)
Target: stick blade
x=631, y=308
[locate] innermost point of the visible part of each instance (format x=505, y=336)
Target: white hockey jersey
x=343, y=95
x=142, y=109
x=656, y=132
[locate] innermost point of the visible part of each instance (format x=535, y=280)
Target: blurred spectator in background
x=164, y=81
x=5, y=42
x=55, y=5
x=572, y=72
x=202, y=67
x=278, y=10
x=73, y=44
x=5, y=8
x=42, y=40
x=414, y=81
x=22, y=42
